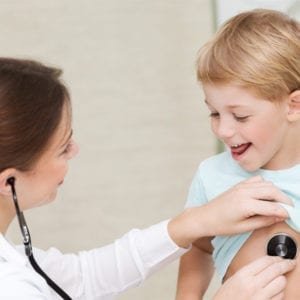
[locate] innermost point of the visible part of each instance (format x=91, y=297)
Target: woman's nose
x=75, y=149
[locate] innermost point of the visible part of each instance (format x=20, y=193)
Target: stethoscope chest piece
x=282, y=245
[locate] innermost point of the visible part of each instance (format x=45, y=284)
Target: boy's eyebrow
x=229, y=106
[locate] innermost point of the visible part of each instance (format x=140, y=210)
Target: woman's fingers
x=270, y=192
x=264, y=190
x=276, y=270
x=260, y=265
x=279, y=296
x=267, y=208
x=243, y=207
x=262, y=279
x=257, y=222
x=268, y=273
x=275, y=288
x=266, y=276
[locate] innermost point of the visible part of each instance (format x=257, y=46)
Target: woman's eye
x=214, y=115
x=67, y=148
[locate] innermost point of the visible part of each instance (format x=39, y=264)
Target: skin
x=262, y=279
x=239, y=117
x=237, y=217
x=244, y=122
x=264, y=122
x=258, y=241
x=45, y=177
x=39, y=186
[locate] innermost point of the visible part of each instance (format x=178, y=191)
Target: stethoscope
x=28, y=245
x=282, y=245
x=279, y=245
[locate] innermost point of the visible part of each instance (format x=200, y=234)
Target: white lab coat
x=100, y=273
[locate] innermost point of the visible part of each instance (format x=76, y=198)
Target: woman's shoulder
x=20, y=282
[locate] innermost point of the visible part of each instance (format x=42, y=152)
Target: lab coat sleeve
x=105, y=272
x=128, y=261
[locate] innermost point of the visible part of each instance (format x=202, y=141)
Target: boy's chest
x=256, y=246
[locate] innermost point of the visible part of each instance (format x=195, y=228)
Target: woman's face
x=39, y=185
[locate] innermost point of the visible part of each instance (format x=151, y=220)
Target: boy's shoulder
x=221, y=165
x=218, y=173
x=217, y=161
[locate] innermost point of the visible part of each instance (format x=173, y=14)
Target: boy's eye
x=241, y=118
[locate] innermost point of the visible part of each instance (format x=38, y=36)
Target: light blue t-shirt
x=217, y=174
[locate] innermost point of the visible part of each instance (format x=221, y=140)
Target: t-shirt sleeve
x=196, y=195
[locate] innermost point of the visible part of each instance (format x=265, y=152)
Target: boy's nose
x=225, y=130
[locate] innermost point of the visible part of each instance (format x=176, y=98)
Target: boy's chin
x=249, y=167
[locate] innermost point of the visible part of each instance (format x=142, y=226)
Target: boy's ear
x=294, y=106
x=5, y=188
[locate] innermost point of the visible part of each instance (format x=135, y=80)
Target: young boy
x=250, y=73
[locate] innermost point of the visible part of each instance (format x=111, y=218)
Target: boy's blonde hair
x=258, y=50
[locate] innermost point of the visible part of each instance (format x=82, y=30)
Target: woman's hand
x=249, y=205
x=262, y=279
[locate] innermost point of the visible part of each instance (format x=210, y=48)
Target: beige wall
x=138, y=115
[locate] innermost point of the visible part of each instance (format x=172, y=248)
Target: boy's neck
x=289, y=154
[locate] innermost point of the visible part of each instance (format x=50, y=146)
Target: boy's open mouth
x=238, y=150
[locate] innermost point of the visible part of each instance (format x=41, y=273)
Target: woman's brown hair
x=32, y=99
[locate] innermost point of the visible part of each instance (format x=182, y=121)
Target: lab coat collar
x=10, y=253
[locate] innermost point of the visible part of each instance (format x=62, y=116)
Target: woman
x=35, y=147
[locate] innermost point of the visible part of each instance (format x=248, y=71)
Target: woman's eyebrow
x=67, y=140
x=206, y=102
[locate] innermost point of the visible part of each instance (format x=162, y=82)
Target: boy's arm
x=195, y=271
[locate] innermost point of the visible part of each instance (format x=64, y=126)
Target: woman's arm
x=110, y=270
x=247, y=206
x=132, y=258
x=237, y=210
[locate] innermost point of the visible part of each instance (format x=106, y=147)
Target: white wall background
x=138, y=115
x=227, y=8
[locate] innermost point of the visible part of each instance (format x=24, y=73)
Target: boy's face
x=254, y=130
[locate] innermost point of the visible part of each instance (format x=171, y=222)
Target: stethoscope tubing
x=28, y=246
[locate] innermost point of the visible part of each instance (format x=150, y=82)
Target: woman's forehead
x=63, y=132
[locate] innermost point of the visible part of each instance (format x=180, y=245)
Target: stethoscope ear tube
x=49, y=281
x=282, y=245
x=28, y=246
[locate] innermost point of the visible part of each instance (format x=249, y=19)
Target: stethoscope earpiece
x=282, y=245
x=11, y=181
